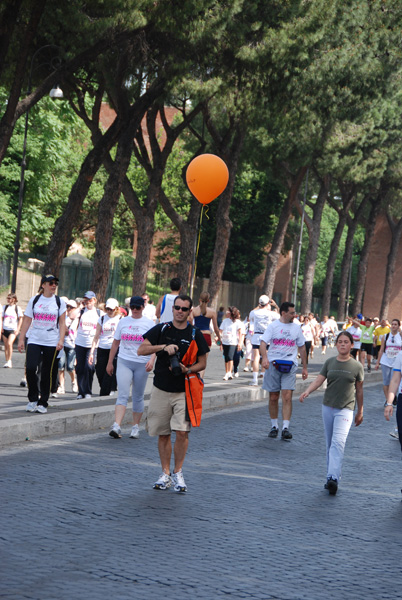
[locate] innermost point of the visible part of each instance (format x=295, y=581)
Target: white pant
x=130, y=372
x=337, y=423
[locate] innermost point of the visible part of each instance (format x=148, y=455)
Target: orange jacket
x=194, y=386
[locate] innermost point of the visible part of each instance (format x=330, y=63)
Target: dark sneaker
x=331, y=486
x=286, y=435
x=368, y=369
x=273, y=433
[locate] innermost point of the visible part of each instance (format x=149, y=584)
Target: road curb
x=76, y=420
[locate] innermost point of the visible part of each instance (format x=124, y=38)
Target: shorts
x=256, y=346
x=68, y=356
x=376, y=350
x=386, y=374
x=367, y=347
x=167, y=412
x=324, y=340
x=8, y=332
x=275, y=382
x=207, y=338
x=354, y=352
x=228, y=352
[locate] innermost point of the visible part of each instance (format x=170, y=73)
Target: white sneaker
x=88, y=396
x=31, y=406
x=41, y=409
x=236, y=374
x=54, y=395
x=115, y=432
x=135, y=432
x=394, y=434
x=254, y=383
x=178, y=482
x=226, y=377
x=74, y=387
x=23, y=382
x=61, y=390
x=79, y=397
x=8, y=365
x=246, y=369
x=164, y=482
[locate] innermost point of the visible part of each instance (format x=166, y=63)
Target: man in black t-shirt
x=167, y=407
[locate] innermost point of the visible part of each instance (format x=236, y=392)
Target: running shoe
x=246, y=369
x=394, y=434
x=178, y=482
x=23, y=382
x=254, y=383
x=286, y=435
x=273, y=433
x=368, y=369
x=74, y=387
x=163, y=483
x=88, y=396
x=31, y=406
x=331, y=486
x=79, y=397
x=8, y=365
x=41, y=409
x=115, y=432
x=61, y=390
x=135, y=432
x=235, y=374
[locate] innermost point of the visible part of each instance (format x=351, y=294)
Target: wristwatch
x=188, y=371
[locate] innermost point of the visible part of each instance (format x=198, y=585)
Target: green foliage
x=254, y=210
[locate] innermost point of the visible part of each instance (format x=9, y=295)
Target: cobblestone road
x=80, y=520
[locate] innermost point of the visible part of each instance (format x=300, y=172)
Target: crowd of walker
x=123, y=344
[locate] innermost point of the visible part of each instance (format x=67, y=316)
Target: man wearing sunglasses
x=167, y=407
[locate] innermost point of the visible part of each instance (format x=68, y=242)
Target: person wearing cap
x=260, y=318
x=167, y=408
x=44, y=316
x=103, y=341
x=67, y=358
x=132, y=369
x=88, y=321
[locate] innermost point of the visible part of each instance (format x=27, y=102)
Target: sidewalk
x=67, y=415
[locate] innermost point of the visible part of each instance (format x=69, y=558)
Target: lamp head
x=56, y=93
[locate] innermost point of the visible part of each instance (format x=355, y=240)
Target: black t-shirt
x=166, y=333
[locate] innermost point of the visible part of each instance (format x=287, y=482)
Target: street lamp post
x=54, y=93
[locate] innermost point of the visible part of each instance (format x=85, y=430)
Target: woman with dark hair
x=308, y=333
x=232, y=334
x=102, y=343
x=344, y=377
x=12, y=320
x=46, y=339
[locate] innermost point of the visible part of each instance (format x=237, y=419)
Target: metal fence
x=5, y=268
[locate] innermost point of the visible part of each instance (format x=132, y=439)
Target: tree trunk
x=347, y=259
x=396, y=231
x=107, y=207
x=279, y=237
x=347, y=200
x=65, y=223
x=144, y=245
x=312, y=250
x=364, y=256
x=188, y=233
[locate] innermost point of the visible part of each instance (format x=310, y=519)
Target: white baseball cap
x=111, y=303
x=263, y=300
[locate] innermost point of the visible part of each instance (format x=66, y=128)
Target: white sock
x=285, y=425
x=274, y=423
x=116, y=424
x=255, y=377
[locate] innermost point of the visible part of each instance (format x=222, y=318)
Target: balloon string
x=206, y=210
x=198, y=241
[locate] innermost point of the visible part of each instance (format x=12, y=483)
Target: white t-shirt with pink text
x=44, y=329
x=284, y=339
x=130, y=332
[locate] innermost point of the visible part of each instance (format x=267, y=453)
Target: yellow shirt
x=379, y=331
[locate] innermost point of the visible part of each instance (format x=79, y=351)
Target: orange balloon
x=207, y=176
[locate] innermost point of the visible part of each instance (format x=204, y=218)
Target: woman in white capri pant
x=131, y=368
x=344, y=376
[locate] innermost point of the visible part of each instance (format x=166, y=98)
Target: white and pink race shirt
x=130, y=332
x=44, y=329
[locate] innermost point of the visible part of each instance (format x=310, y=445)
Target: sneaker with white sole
x=178, y=482
x=74, y=387
x=8, y=365
x=23, y=382
x=54, y=395
x=246, y=369
x=135, y=432
x=41, y=409
x=31, y=406
x=163, y=483
x=236, y=374
x=254, y=383
x=61, y=390
x=115, y=432
x=79, y=397
x=88, y=396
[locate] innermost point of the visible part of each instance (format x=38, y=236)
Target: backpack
x=58, y=302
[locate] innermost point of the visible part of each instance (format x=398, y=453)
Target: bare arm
x=200, y=365
x=158, y=307
x=381, y=352
x=392, y=391
x=95, y=343
x=146, y=348
x=303, y=356
x=264, y=355
x=26, y=323
x=318, y=381
x=359, y=401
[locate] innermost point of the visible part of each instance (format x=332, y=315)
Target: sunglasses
x=136, y=307
x=182, y=308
